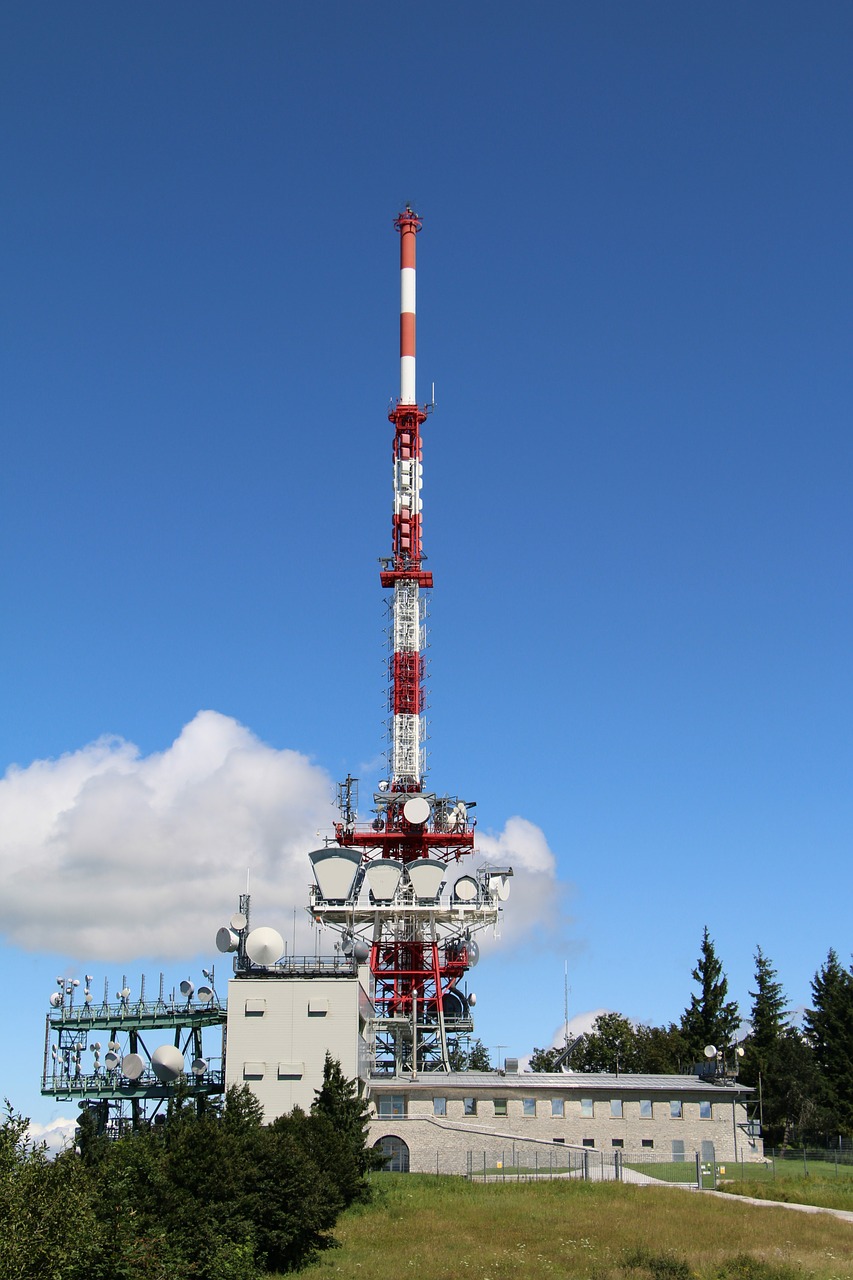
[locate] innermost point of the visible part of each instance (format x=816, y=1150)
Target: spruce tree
x=768, y=1018
x=709, y=1018
x=829, y=1029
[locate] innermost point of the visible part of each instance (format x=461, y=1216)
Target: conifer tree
x=709, y=1018
x=768, y=1018
x=829, y=1029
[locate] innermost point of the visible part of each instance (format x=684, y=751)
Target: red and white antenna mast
x=404, y=572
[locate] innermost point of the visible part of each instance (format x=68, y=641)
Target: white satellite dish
x=167, y=1063
x=466, y=889
x=710, y=1051
x=125, y=992
x=264, y=946
x=56, y=999
x=88, y=997
x=112, y=1061
x=238, y=921
x=500, y=886
x=226, y=939
x=132, y=1066
x=426, y=875
x=199, y=1066
x=187, y=988
x=204, y=995
x=383, y=876
x=416, y=810
x=472, y=999
x=473, y=949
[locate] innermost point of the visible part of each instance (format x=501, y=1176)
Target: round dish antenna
x=472, y=999
x=710, y=1051
x=416, y=810
x=112, y=1061
x=264, y=946
x=466, y=889
x=56, y=999
x=473, y=949
x=167, y=1063
x=199, y=1066
x=132, y=1066
x=238, y=921
x=204, y=995
x=361, y=951
x=187, y=988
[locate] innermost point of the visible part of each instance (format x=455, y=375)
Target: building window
x=558, y=1107
x=396, y=1153
x=616, y=1108
x=439, y=1106
x=617, y=1142
x=645, y=1108
x=647, y=1142
x=589, y=1142
x=469, y=1106
x=675, y=1109
x=391, y=1104
x=562, y=1141
x=678, y=1149
x=500, y=1106
x=704, y=1111
x=587, y=1108
x=528, y=1106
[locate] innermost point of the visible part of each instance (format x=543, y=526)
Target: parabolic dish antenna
x=132, y=1066
x=56, y=999
x=264, y=946
x=710, y=1051
x=187, y=988
x=204, y=995
x=238, y=921
x=199, y=1066
x=416, y=810
x=466, y=889
x=167, y=1062
x=473, y=949
x=500, y=886
x=226, y=939
x=112, y=1061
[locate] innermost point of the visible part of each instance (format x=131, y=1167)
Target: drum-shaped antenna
x=204, y=995
x=132, y=1066
x=199, y=1066
x=466, y=889
x=238, y=921
x=361, y=950
x=226, y=939
x=112, y=1061
x=187, y=988
x=416, y=810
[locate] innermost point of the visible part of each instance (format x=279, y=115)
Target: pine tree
x=768, y=1018
x=829, y=1029
x=478, y=1057
x=340, y=1101
x=709, y=1018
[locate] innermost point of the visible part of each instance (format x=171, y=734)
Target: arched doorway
x=396, y=1154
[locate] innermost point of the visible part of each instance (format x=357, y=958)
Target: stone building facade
x=449, y=1122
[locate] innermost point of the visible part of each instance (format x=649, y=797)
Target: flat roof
x=574, y=1081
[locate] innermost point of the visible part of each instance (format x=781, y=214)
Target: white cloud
x=56, y=1134
x=536, y=906
x=110, y=855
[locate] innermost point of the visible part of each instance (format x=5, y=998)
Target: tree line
x=212, y=1193
x=802, y=1076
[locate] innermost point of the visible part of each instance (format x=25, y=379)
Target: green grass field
x=435, y=1228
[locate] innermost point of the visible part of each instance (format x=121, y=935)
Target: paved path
x=846, y=1215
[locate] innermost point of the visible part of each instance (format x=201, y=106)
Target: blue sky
x=634, y=299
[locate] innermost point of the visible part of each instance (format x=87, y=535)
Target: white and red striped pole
x=406, y=576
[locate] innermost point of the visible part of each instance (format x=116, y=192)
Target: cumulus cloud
x=536, y=906
x=56, y=1134
x=110, y=855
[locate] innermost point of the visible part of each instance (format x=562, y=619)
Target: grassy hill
x=448, y=1229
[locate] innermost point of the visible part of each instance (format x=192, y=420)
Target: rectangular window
x=528, y=1106
x=391, y=1104
x=560, y=1140
x=469, y=1106
x=439, y=1106
x=675, y=1109
x=587, y=1108
x=589, y=1142
x=645, y=1108
x=500, y=1106
x=678, y=1149
x=647, y=1142
x=557, y=1107
x=617, y=1142
x=616, y=1108
x=704, y=1111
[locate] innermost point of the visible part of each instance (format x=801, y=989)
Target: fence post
x=698, y=1171
x=585, y=1165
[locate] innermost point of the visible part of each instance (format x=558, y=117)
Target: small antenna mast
x=566, y=1007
